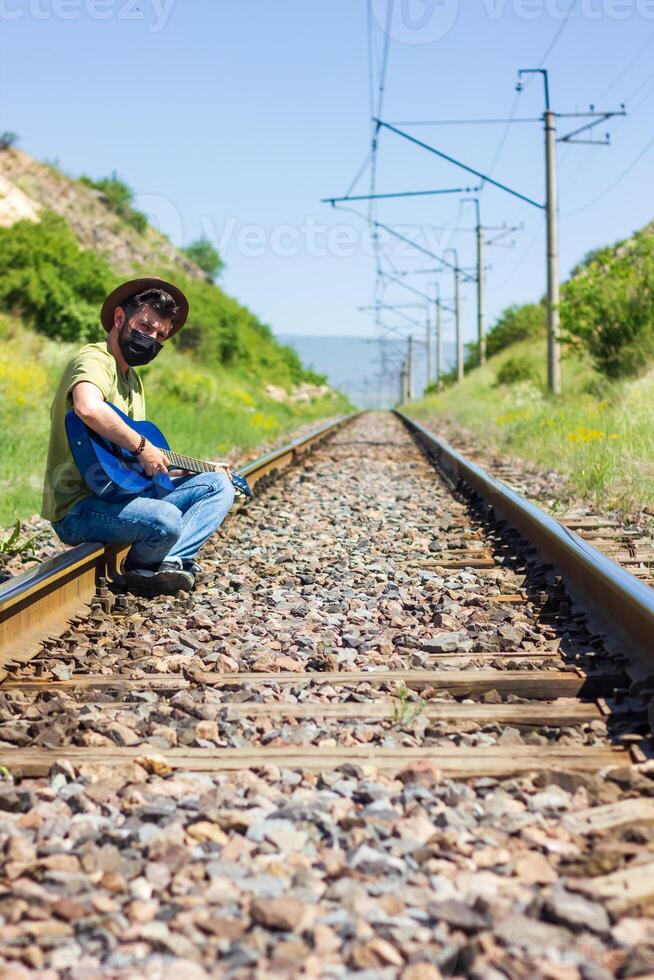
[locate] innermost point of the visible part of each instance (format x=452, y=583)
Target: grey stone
x=575, y=911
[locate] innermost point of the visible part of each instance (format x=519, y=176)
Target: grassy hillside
x=600, y=432
x=223, y=384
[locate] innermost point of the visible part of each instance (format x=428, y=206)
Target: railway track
x=381, y=739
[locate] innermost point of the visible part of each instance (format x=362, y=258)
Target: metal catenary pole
x=439, y=337
x=457, y=314
x=480, y=295
x=551, y=222
x=481, y=338
x=550, y=207
x=459, y=338
x=430, y=368
x=553, y=317
x=409, y=367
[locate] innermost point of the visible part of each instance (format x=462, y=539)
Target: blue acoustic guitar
x=113, y=473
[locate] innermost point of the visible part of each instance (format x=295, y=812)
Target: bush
x=608, y=307
x=205, y=256
x=8, y=139
x=56, y=286
x=514, y=324
x=516, y=369
x=119, y=198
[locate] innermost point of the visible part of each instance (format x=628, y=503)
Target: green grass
x=202, y=412
x=599, y=433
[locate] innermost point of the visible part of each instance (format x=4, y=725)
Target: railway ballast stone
x=132, y=869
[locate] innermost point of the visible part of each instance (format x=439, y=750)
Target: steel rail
x=38, y=603
x=622, y=603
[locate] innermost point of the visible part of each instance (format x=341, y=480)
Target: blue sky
x=235, y=117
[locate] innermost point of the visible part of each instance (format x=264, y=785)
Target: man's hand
x=153, y=460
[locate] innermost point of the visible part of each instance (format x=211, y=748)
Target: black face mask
x=139, y=348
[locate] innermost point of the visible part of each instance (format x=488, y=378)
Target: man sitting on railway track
x=140, y=317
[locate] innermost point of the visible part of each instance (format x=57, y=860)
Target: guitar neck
x=188, y=463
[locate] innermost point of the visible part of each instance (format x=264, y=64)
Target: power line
x=504, y=136
x=371, y=65
x=359, y=174
x=458, y=163
x=384, y=65
x=377, y=197
x=618, y=180
x=641, y=50
x=555, y=39
x=587, y=160
x=463, y=122
x=514, y=108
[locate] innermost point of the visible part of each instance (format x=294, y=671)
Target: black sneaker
x=166, y=579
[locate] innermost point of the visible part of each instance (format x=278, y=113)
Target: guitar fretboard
x=188, y=463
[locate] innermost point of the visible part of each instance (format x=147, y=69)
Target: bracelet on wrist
x=141, y=447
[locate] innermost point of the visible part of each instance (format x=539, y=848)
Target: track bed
x=369, y=744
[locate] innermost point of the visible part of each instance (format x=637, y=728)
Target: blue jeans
x=171, y=528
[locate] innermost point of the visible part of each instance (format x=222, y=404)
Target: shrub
x=516, y=369
x=8, y=139
x=609, y=306
x=514, y=324
x=56, y=286
x=205, y=256
x=119, y=198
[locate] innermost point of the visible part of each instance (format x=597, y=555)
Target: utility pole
x=481, y=337
x=459, y=337
x=409, y=368
x=552, y=212
x=551, y=215
x=430, y=372
x=438, y=338
x=550, y=206
x=457, y=314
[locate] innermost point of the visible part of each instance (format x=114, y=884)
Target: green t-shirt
x=64, y=486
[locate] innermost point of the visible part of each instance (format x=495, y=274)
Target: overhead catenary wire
x=459, y=163
x=380, y=102
x=462, y=122
x=618, y=180
x=557, y=37
x=641, y=50
x=584, y=167
x=377, y=84
x=385, y=55
x=511, y=120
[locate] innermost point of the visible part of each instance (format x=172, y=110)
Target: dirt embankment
x=27, y=187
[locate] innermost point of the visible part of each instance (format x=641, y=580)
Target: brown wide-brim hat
x=125, y=290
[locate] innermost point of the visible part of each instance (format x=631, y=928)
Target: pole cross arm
x=457, y=163
x=378, y=197
x=420, y=248
x=596, y=119
x=405, y=285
